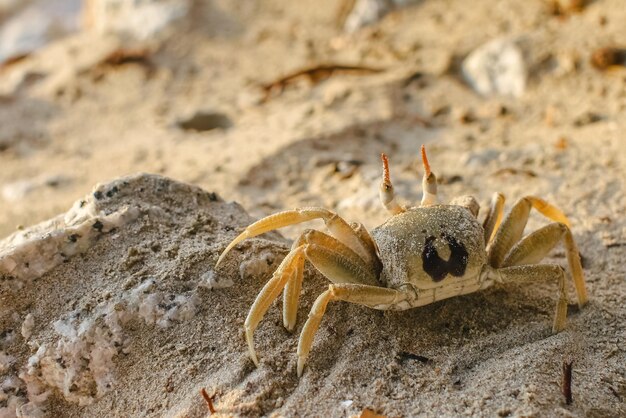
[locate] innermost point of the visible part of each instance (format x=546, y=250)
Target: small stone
x=27, y=326
x=36, y=25
x=347, y=403
x=141, y=20
x=212, y=281
x=496, y=68
x=365, y=12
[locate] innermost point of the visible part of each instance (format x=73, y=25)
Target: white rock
x=27, y=326
x=38, y=24
x=139, y=19
x=366, y=12
x=212, y=281
x=259, y=266
x=30, y=253
x=496, y=68
x=347, y=403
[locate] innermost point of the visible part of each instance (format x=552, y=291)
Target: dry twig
x=567, y=381
x=208, y=400
x=315, y=74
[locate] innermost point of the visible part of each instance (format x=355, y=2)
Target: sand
x=159, y=324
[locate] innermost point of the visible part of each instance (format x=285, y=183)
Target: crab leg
x=367, y=239
x=335, y=224
x=371, y=296
x=494, y=217
x=291, y=295
x=268, y=294
x=534, y=247
x=333, y=259
x=511, y=231
x=513, y=226
x=344, y=255
x=541, y=272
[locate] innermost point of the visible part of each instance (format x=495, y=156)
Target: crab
x=420, y=255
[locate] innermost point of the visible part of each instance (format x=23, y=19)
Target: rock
x=141, y=20
x=365, y=12
x=211, y=280
x=80, y=313
x=496, y=68
x=36, y=25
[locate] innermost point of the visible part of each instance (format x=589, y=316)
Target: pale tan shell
x=401, y=241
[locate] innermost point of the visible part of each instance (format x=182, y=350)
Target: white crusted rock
x=496, y=68
x=140, y=19
x=27, y=326
x=37, y=24
x=211, y=280
x=121, y=266
x=30, y=253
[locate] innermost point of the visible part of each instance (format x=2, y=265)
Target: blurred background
x=277, y=104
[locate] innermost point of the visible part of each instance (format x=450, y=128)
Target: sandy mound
x=114, y=309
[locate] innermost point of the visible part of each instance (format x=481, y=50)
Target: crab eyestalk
x=387, y=196
x=429, y=182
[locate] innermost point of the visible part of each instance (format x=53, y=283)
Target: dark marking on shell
x=438, y=268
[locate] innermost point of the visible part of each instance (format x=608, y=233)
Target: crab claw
x=429, y=182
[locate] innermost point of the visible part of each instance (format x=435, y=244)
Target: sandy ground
x=69, y=122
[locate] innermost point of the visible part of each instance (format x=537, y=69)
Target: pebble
x=496, y=68
x=141, y=20
x=36, y=25
x=365, y=12
x=27, y=326
x=210, y=280
x=347, y=403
